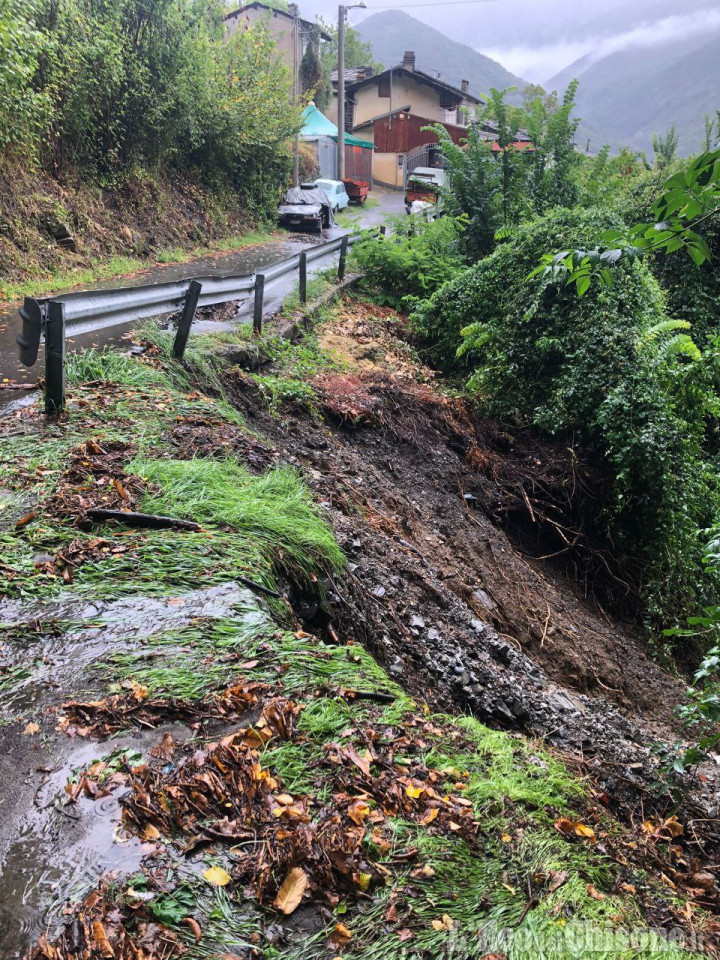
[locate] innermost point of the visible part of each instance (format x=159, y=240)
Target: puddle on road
x=41, y=639
x=50, y=851
x=60, y=851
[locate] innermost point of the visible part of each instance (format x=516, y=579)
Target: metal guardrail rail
x=54, y=319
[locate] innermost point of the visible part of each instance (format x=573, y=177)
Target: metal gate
x=429, y=155
x=327, y=157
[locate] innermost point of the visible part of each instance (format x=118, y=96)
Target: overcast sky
x=537, y=38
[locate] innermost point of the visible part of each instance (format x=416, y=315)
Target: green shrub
x=414, y=260
x=492, y=286
x=608, y=372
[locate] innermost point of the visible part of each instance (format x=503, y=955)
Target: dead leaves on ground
x=291, y=890
x=99, y=930
x=101, y=718
x=95, y=477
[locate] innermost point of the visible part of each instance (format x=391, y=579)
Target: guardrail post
x=31, y=314
x=259, y=299
x=186, y=320
x=343, y=258
x=303, y=278
x=55, y=359
x=383, y=230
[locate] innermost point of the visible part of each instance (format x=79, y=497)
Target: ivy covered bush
x=612, y=373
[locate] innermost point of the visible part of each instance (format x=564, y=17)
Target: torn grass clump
x=275, y=509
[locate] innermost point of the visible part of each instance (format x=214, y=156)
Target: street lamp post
x=342, y=14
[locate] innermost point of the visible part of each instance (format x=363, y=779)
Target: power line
x=434, y=3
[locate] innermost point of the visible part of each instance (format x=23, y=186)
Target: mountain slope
x=637, y=92
x=392, y=32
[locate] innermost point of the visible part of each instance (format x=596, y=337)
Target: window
x=384, y=85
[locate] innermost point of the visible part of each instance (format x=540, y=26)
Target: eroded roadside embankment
x=204, y=768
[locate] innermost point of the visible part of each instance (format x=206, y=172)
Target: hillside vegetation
x=119, y=104
x=612, y=372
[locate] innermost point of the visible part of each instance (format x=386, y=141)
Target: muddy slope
x=438, y=590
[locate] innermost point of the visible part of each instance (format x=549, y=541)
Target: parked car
x=305, y=206
x=424, y=185
x=336, y=193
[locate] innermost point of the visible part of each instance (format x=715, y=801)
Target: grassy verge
x=417, y=835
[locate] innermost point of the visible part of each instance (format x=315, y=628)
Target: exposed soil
x=440, y=586
x=438, y=514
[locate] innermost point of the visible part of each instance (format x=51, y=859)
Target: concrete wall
x=387, y=170
x=331, y=110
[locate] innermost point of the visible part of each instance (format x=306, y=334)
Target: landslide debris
x=309, y=808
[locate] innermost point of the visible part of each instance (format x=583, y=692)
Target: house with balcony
x=390, y=110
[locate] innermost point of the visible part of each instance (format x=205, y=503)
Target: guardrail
x=52, y=320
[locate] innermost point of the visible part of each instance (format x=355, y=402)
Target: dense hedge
x=600, y=372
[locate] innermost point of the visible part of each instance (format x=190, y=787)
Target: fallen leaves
x=24, y=521
x=291, y=890
x=99, y=931
x=194, y=928
x=31, y=729
x=95, y=477
x=570, y=828
x=217, y=877
x=340, y=936
x=446, y=923
x=101, y=718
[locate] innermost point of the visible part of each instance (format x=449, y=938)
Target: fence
x=75, y=313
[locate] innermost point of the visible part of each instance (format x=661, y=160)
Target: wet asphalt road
x=238, y=262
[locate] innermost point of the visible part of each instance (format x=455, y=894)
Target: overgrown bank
x=53, y=236
x=294, y=801
x=127, y=128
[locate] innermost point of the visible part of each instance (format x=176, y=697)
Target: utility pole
x=296, y=98
x=341, y=94
x=342, y=15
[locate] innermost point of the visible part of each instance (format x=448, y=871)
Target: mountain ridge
x=392, y=32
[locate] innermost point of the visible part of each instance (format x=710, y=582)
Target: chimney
x=465, y=86
x=409, y=60
x=293, y=10
x=369, y=71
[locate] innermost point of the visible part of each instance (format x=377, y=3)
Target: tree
x=475, y=189
x=358, y=53
x=712, y=131
x=313, y=79
x=553, y=161
x=23, y=109
x=690, y=200
x=665, y=148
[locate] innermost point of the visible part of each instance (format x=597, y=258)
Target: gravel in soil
x=451, y=603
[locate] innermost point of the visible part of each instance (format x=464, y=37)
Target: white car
x=336, y=193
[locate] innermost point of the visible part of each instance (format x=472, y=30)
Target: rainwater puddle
x=60, y=851
x=48, y=645
x=49, y=851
